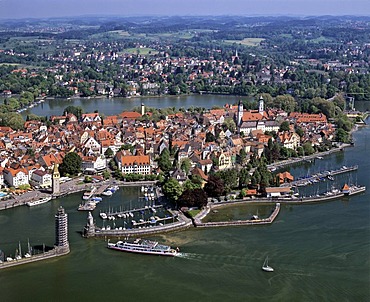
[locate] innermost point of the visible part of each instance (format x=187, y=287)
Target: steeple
x=261, y=108
x=240, y=113
x=56, y=179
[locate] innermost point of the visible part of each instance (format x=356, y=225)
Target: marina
x=320, y=176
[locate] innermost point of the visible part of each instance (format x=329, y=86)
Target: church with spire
x=249, y=120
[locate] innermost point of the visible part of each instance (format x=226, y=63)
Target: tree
x=210, y=137
x=284, y=126
x=243, y=178
x=71, y=164
x=193, y=198
x=230, y=179
x=229, y=124
x=172, y=189
x=185, y=165
x=109, y=153
x=242, y=156
x=341, y=136
x=308, y=149
x=76, y=110
x=214, y=186
x=164, y=161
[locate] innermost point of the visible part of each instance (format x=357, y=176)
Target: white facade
x=15, y=178
x=41, y=178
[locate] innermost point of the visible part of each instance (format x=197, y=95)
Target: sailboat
x=266, y=266
x=29, y=253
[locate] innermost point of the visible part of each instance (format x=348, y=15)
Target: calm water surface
x=111, y=106
x=320, y=252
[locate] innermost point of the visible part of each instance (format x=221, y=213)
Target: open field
x=114, y=34
x=141, y=51
x=246, y=41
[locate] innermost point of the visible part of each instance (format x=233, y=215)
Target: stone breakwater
x=269, y=220
x=55, y=252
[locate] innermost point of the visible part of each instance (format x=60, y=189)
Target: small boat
x=89, y=193
x=39, y=201
x=89, y=206
x=330, y=177
x=103, y=216
x=96, y=198
x=107, y=193
x=266, y=266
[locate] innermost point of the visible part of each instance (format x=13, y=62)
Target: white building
x=16, y=177
x=41, y=178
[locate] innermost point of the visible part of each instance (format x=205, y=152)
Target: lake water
x=111, y=106
x=320, y=252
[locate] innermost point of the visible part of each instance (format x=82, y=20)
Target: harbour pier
x=55, y=252
x=198, y=222
x=310, y=179
x=116, y=213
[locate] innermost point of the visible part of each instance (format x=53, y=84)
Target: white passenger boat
x=39, y=201
x=141, y=246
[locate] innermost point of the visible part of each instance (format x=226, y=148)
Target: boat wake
x=190, y=256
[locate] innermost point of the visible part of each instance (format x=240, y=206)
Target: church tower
x=61, y=231
x=56, y=180
x=261, y=108
x=240, y=113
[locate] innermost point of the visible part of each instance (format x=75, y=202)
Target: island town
x=294, y=103
x=197, y=160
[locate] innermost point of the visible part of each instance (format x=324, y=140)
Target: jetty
x=320, y=176
x=129, y=212
x=198, y=222
x=55, y=252
x=101, y=189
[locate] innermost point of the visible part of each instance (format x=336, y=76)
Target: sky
x=15, y=9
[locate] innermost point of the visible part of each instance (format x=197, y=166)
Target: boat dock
x=133, y=211
x=148, y=222
x=310, y=179
x=101, y=189
x=181, y=223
